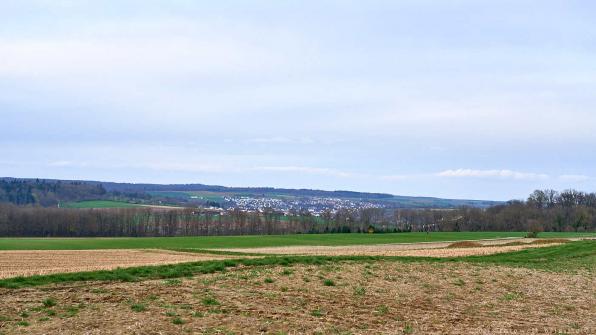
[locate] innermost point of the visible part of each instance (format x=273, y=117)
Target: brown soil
x=464, y=244
x=435, y=249
x=540, y=241
x=470, y=251
x=550, y=241
x=364, y=298
x=34, y=262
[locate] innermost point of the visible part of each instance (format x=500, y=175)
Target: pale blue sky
x=462, y=99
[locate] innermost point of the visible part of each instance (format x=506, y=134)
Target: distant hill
x=47, y=193
x=50, y=191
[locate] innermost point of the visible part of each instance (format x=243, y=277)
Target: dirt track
x=34, y=262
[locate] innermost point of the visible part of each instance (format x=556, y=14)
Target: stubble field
x=39, y=262
x=473, y=287
x=382, y=297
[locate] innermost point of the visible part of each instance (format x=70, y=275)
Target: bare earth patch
x=344, y=298
x=36, y=262
x=434, y=249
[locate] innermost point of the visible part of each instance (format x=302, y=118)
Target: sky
x=457, y=99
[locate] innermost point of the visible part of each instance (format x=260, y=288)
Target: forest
x=544, y=210
x=49, y=193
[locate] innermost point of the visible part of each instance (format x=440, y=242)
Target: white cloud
x=504, y=174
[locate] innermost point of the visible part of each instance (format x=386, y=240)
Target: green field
x=249, y=241
x=98, y=204
x=187, y=195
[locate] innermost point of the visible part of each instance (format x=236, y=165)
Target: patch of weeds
x=217, y=311
x=43, y=319
x=574, y=325
x=24, y=314
x=510, y=296
x=284, y=289
x=254, y=274
x=172, y=282
x=408, y=329
x=449, y=297
x=138, y=307
x=306, y=279
x=218, y=331
x=178, y=321
x=427, y=286
x=49, y=302
x=23, y=323
x=4, y=318
x=152, y=297
x=382, y=310
x=185, y=306
x=197, y=314
x=459, y=282
x=50, y=312
x=99, y=290
x=271, y=295
x=317, y=313
x=171, y=313
x=359, y=290
x=210, y=301
x=72, y=311
x=208, y=281
x=268, y=280
x=328, y=282
x=287, y=272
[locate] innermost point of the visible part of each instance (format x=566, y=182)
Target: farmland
x=14, y=263
x=544, y=290
x=98, y=204
x=36, y=262
x=252, y=241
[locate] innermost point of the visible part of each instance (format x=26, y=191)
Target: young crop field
x=254, y=241
x=542, y=290
x=98, y=204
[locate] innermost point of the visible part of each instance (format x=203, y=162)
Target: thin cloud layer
x=389, y=97
x=464, y=173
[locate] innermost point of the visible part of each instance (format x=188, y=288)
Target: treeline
x=542, y=211
x=30, y=221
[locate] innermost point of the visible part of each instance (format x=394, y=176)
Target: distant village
x=315, y=205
